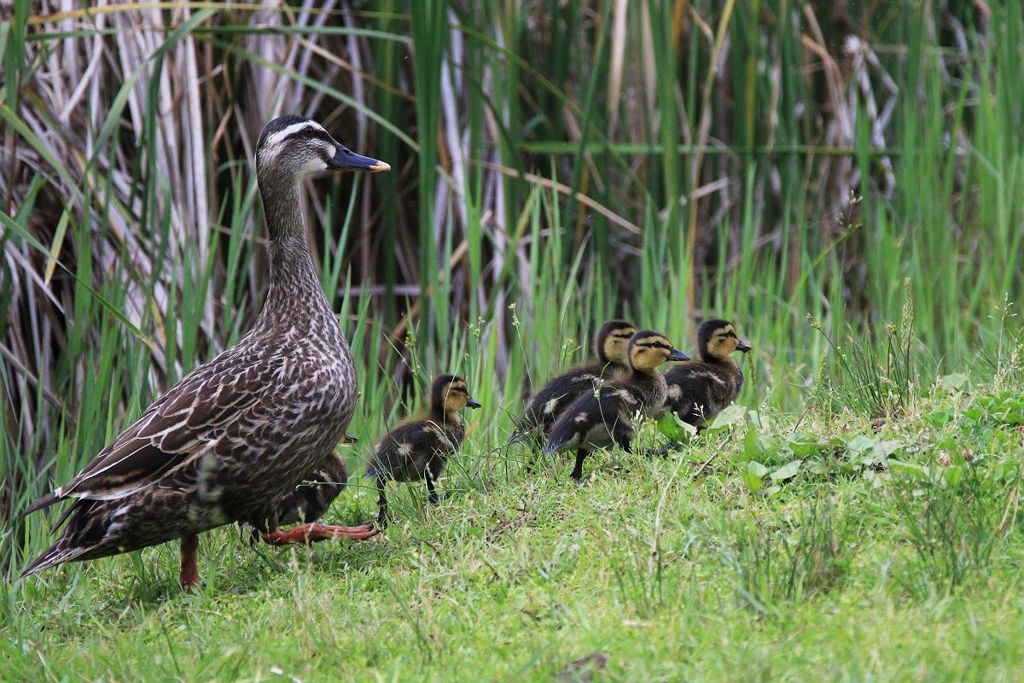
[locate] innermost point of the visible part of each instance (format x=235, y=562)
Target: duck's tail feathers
x=41, y=502
x=58, y=553
x=560, y=436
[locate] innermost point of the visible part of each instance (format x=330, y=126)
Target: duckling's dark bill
x=346, y=158
x=472, y=403
x=676, y=354
x=744, y=346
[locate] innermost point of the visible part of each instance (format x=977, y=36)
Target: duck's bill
x=676, y=354
x=744, y=346
x=472, y=403
x=347, y=159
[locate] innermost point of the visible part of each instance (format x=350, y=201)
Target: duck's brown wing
x=181, y=425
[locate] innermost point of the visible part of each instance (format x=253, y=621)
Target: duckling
x=418, y=449
x=554, y=397
x=308, y=502
x=699, y=390
x=605, y=416
x=237, y=434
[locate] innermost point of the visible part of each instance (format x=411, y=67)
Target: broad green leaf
x=787, y=471
x=753, y=476
x=672, y=427
x=757, y=469
x=910, y=468
x=733, y=414
x=805, y=445
x=939, y=417
x=752, y=481
x=757, y=447
x=860, y=443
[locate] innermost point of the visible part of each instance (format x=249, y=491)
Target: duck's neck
x=441, y=416
x=727, y=362
x=729, y=369
x=295, y=294
x=644, y=376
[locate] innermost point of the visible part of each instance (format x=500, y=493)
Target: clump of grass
x=639, y=574
x=872, y=377
x=954, y=521
x=772, y=568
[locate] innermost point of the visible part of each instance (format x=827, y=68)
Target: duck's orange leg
x=305, y=534
x=189, y=576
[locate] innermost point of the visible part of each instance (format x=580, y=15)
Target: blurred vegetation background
x=846, y=171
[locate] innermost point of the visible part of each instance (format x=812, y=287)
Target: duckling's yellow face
x=615, y=343
x=723, y=340
x=648, y=350
x=456, y=396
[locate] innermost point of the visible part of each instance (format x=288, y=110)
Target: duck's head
x=294, y=146
x=612, y=341
x=717, y=339
x=450, y=394
x=649, y=349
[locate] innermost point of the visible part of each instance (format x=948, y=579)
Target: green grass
x=836, y=570
x=854, y=207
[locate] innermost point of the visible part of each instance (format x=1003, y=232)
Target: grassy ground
x=891, y=551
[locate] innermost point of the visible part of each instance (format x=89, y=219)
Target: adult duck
x=237, y=434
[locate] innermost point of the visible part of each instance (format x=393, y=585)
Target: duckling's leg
x=305, y=534
x=188, y=577
x=577, y=472
x=431, y=491
x=382, y=503
x=623, y=435
x=434, y=469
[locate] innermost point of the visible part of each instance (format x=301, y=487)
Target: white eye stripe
x=277, y=138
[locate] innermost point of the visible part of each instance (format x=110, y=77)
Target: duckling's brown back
x=405, y=453
x=558, y=393
x=697, y=391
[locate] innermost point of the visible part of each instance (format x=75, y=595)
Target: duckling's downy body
x=417, y=450
x=559, y=392
x=235, y=435
x=606, y=416
x=310, y=500
x=700, y=389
